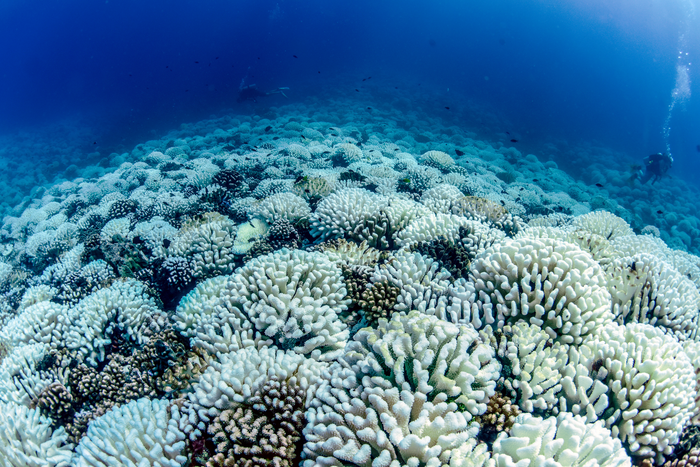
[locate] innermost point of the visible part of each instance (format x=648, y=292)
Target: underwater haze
x=595, y=71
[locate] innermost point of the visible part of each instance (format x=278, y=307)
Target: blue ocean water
x=591, y=71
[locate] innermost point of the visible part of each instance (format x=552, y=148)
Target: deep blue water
x=598, y=71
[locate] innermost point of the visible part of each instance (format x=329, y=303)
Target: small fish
x=326, y=152
x=369, y=108
x=599, y=185
x=276, y=137
x=458, y=152
x=406, y=180
x=196, y=62
x=696, y=147
x=513, y=140
x=397, y=149
x=507, y=132
x=94, y=142
x=268, y=128
x=447, y=108
x=302, y=136
x=535, y=180
x=659, y=211
x=357, y=90
x=295, y=56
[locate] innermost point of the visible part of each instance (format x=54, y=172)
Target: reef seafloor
x=307, y=288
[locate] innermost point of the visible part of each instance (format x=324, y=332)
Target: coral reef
x=277, y=291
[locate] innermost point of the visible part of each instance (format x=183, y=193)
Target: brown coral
x=356, y=279
x=499, y=417
x=56, y=401
x=454, y=258
x=268, y=433
x=378, y=301
x=690, y=459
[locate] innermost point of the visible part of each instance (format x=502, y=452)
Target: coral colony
x=289, y=291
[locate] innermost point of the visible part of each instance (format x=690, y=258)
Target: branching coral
x=647, y=290
x=404, y=393
x=208, y=242
x=603, y=223
x=294, y=297
x=453, y=257
x=421, y=280
x=546, y=282
x=566, y=440
x=142, y=432
x=241, y=378
x=26, y=438
x=645, y=383
x=378, y=301
x=265, y=433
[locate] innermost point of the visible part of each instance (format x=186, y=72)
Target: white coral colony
x=403, y=394
x=545, y=282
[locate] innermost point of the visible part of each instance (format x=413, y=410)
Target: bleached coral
x=607, y=225
x=431, y=227
x=247, y=234
x=646, y=289
x=347, y=253
x=27, y=439
x=19, y=382
x=535, y=363
x=45, y=322
x=566, y=440
x=646, y=383
x=294, y=297
x=600, y=248
x=282, y=206
x=124, y=306
x=348, y=153
x=203, y=317
x=545, y=282
x=438, y=159
x=420, y=279
x=156, y=232
x=403, y=394
x=115, y=229
x=352, y=213
x=142, y=432
x=208, y=242
x=233, y=378
x=441, y=198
